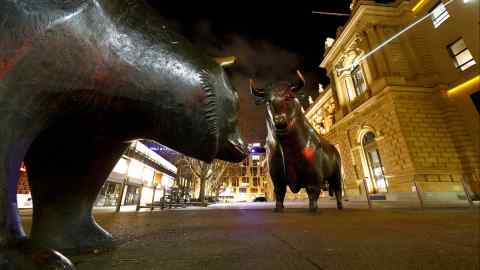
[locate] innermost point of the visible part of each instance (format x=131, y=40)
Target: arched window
x=374, y=161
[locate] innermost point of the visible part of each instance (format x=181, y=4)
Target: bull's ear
x=225, y=61
x=299, y=83
x=259, y=101
x=257, y=92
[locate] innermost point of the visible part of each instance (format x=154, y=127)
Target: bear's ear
x=225, y=61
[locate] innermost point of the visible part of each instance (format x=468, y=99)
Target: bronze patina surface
x=298, y=157
x=80, y=79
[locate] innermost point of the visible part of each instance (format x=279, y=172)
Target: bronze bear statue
x=80, y=79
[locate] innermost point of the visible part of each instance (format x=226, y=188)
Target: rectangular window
x=254, y=171
x=439, y=14
x=132, y=195
x=350, y=91
x=462, y=57
x=234, y=181
x=243, y=171
x=358, y=81
x=245, y=180
x=476, y=100
x=256, y=181
x=242, y=190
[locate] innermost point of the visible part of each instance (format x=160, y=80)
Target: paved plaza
x=257, y=238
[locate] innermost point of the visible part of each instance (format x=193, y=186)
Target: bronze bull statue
x=78, y=80
x=298, y=157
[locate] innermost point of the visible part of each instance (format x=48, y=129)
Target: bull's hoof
x=278, y=209
x=313, y=209
x=45, y=259
x=339, y=206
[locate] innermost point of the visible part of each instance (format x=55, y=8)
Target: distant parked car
x=24, y=201
x=212, y=199
x=260, y=199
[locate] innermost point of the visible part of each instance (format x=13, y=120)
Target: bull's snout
x=234, y=150
x=280, y=121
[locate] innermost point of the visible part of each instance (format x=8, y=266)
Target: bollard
x=465, y=190
x=418, y=190
x=366, y=193
x=153, y=197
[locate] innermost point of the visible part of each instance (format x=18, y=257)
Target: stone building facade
x=405, y=115
x=246, y=180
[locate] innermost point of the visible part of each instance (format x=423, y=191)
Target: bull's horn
x=299, y=83
x=225, y=61
x=256, y=91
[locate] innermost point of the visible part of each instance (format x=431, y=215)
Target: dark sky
x=270, y=39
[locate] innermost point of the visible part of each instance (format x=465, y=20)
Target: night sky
x=271, y=41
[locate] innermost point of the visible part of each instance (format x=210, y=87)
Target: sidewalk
x=259, y=239
x=322, y=204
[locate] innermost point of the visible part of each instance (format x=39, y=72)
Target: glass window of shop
x=132, y=195
x=109, y=194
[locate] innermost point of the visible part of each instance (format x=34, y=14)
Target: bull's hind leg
x=280, y=191
x=335, y=188
x=66, y=174
x=313, y=194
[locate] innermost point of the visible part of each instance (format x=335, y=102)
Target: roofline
x=354, y=20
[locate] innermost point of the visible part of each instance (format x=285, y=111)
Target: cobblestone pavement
x=260, y=239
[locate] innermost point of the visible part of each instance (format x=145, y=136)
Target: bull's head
x=282, y=104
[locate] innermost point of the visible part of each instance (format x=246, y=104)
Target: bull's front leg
x=280, y=191
x=313, y=194
x=338, y=197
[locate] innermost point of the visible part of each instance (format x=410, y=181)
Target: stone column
x=379, y=56
x=371, y=71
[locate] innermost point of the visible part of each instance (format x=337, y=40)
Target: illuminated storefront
x=140, y=177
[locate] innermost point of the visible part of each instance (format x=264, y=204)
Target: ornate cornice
x=365, y=16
